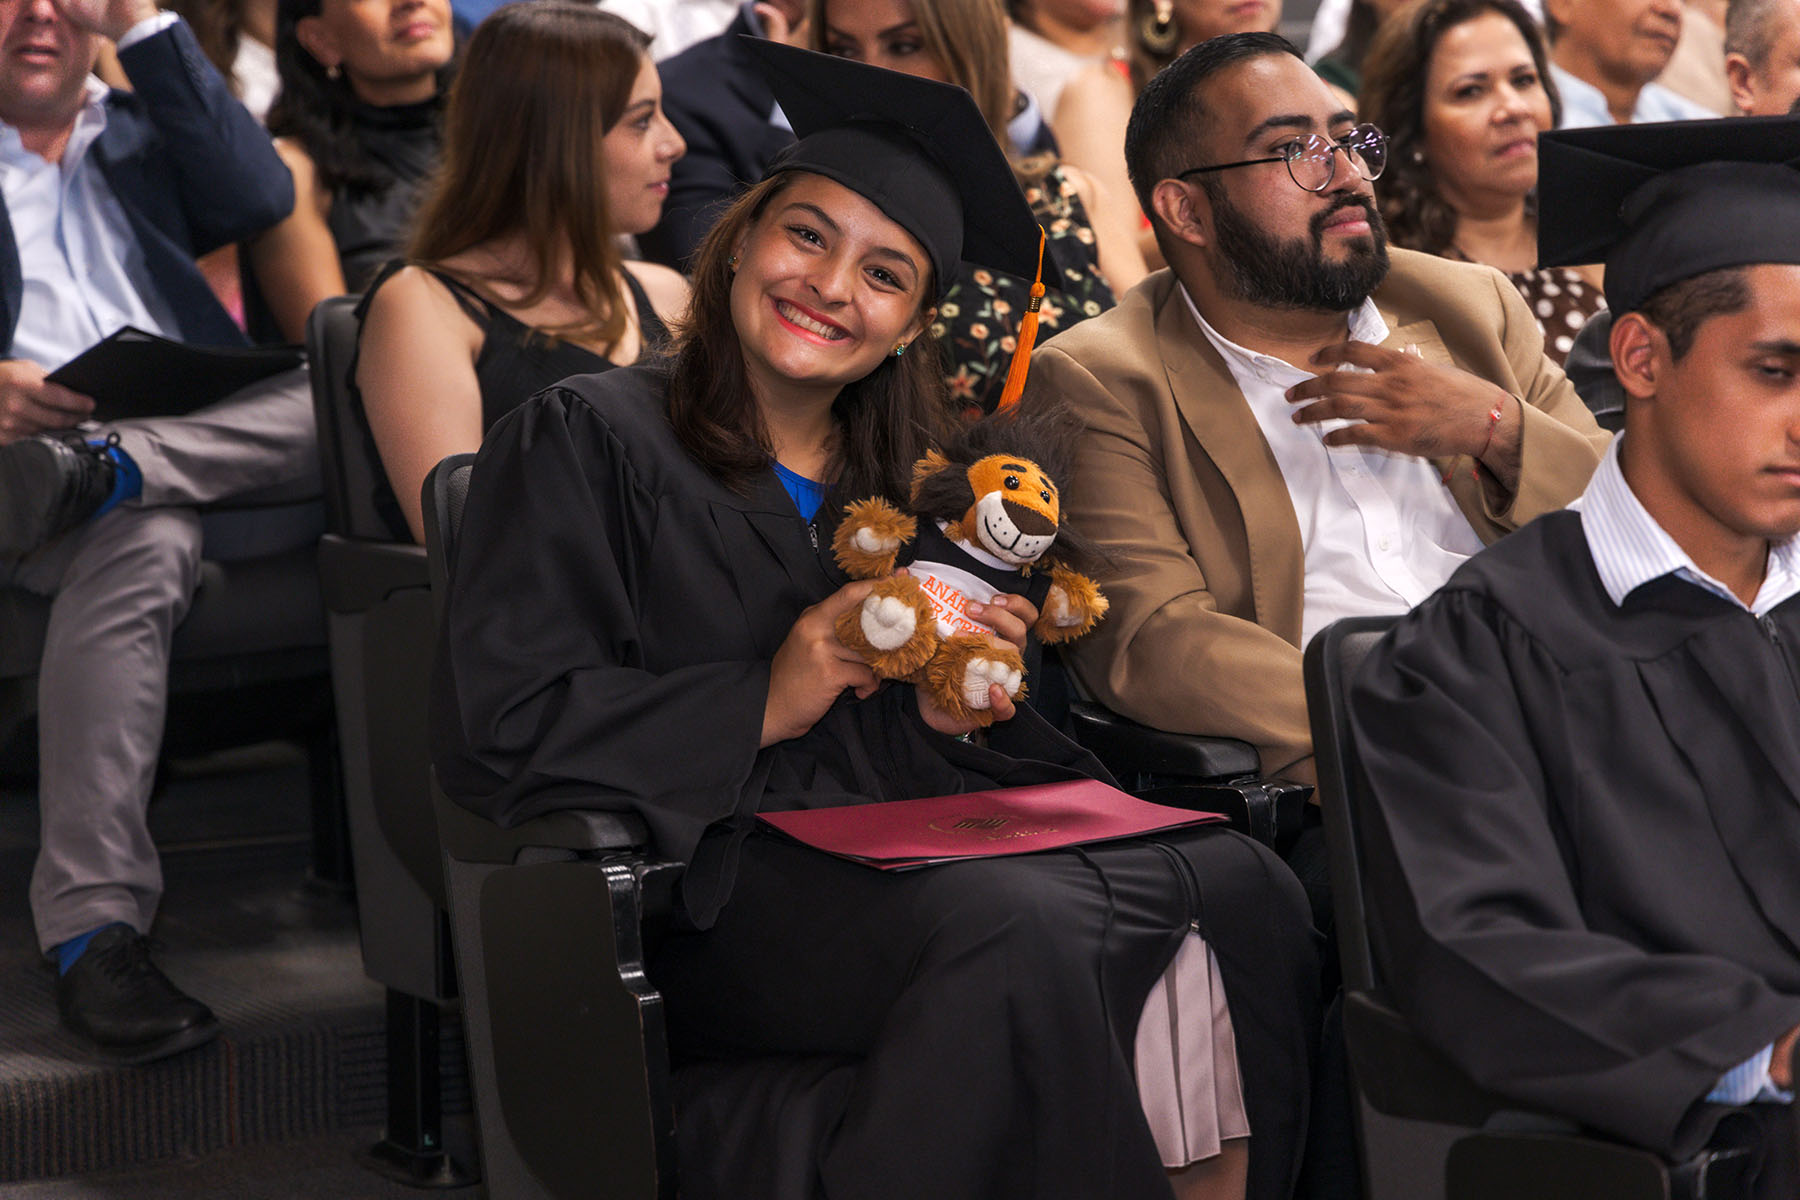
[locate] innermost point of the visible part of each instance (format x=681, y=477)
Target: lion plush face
x=1016, y=510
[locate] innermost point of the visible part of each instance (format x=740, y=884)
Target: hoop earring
x=1156, y=29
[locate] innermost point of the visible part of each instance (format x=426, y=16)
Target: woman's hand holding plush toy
x=812, y=667
x=1011, y=618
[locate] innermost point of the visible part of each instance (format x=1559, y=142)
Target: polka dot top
x=1562, y=301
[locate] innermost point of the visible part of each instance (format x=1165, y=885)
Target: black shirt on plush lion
x=992, y=523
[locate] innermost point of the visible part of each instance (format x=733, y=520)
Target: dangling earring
x=333, y=71
x=1156, y=29
x=899, y=349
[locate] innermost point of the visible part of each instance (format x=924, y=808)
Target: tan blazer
x=1175, y=480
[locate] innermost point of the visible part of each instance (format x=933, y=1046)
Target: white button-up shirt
x=84, y=271
x=1380, y=531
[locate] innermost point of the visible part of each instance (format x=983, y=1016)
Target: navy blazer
x=716, y=97
x=193, y=171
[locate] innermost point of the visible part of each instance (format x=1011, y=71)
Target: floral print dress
x=978, y=320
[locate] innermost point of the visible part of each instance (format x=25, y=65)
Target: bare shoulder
x=667, y=289
x=418, y=303
x=1096, y=83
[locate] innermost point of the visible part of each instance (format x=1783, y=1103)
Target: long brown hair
x=1395, y=72
x=968, y=39
x=886, y=420
x=540, y=85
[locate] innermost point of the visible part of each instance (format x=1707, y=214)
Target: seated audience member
x=1584, y=780
x=357, y=123
x=1762, y=56
x=725, y=112
x=1088, y=233
x=1050, y=40
x=1461, y=89
x=1342, y=66
x=109, y=196
x=1249, y=489
x=1696, y=70
x=1096, y=105
x=513, y=279
x=646, y=553
x=1605, y=56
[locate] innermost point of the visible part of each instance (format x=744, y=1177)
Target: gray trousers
x=120, y=584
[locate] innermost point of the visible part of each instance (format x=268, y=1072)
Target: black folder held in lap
x=138, y=374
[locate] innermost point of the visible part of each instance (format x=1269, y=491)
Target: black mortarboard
x=919, y=150
x=1662, y=203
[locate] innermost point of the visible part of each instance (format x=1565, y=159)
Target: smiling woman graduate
x=641, y=617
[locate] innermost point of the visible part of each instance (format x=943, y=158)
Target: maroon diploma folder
x=919, y=833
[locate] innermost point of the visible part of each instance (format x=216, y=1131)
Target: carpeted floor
x=244, y=929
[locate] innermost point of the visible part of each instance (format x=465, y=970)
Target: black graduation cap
x=919, y=150
x=1665, y=202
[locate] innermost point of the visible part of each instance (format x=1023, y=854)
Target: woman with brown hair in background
x=554, y=145
x=1089, y=230
x=1462, y=89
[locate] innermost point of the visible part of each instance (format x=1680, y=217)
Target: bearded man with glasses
x=1292, y=424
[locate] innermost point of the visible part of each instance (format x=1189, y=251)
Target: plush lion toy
x=992, y=514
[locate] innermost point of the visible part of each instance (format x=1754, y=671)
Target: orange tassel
x=1021, y=359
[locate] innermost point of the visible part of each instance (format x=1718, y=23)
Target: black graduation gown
x=607, y=643
x=1585, y=844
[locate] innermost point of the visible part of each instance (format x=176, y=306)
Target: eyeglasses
x=1312, y=160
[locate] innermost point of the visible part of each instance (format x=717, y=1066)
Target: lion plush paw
x=894, y=628
x=1073, y=607
x=868, y=541
x=958, y=677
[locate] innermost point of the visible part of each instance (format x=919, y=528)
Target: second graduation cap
x=1665, y=202
x=919, y=150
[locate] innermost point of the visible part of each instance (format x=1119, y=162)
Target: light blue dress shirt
x=1584, y=104
x=84, y=271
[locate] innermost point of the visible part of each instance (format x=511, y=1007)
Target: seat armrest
x=1272, y=811
x=356, y=575
x=470, y=838
x=1130, y=749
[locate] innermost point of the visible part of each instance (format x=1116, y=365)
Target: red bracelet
x=1493, y=424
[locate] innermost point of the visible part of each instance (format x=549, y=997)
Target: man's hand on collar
x=1404, y=404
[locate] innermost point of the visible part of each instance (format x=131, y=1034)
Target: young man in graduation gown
x=1584, y=751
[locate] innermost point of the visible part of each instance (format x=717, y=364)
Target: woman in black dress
x=555, y=143
x=641, y=618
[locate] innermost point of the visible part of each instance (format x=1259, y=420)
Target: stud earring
x=333, y=71
x=1156, y=29
x=1418, y=156
x=899, y=349
x=733, y=263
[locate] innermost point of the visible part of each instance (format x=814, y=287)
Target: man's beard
x=1295, y=274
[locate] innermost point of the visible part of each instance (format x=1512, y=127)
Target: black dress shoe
x=49, y=484
x=115, y=998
